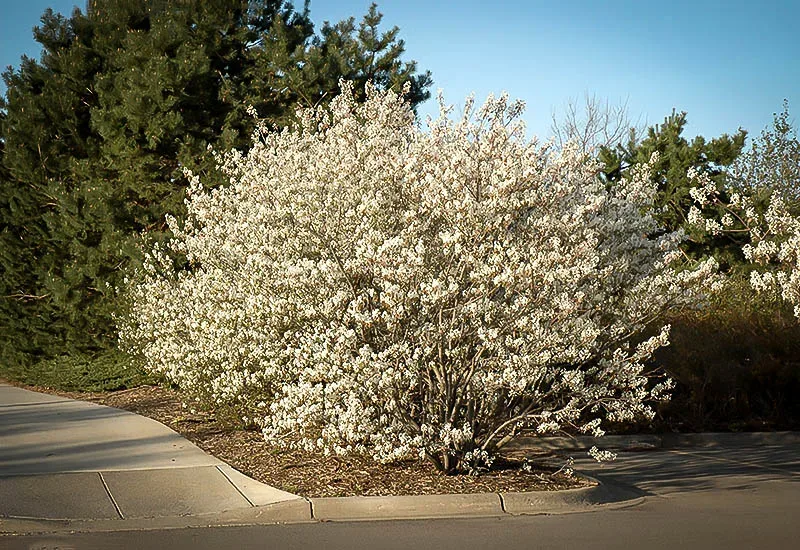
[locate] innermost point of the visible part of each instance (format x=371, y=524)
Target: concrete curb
x=292, y=511
x=583, y=499
x=406, y=507
x=349, y=509
x=109, y=469
x=134, y=494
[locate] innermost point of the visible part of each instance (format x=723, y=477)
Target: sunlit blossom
x=364, y=285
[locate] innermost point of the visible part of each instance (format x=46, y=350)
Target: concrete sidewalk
x=67, y=464
x=62, y=459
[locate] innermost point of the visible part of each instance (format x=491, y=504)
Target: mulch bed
x=316, y=475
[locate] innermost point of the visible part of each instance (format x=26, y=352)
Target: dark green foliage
x=45, y=134
x=296, y=68
x=360, y=54
x=105, y=371
x=676, y=156
x=96, y=136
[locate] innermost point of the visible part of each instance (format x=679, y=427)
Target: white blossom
x=366, y=286
x=774, y=235
x=601, y=455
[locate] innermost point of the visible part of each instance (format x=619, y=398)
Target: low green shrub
x=107, y=371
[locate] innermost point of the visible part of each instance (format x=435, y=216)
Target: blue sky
x=727, y=63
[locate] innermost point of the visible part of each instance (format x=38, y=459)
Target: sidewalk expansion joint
x=110, y=496
x=502, y=503
x=250, y=502
x=311, y=508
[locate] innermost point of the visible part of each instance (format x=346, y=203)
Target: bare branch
x=594, y=123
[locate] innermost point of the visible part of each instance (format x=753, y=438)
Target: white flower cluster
x=366, y=286
x=774, y=234
x=601, y=455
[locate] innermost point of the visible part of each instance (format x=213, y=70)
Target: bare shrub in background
x=771, y=166
x=594, y=123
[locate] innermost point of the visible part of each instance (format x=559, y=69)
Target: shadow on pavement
x=40, y=417
x=683, y=470
x=41, y=437
x=33, y=458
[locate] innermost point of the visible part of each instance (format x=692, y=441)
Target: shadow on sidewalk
x=684, y=470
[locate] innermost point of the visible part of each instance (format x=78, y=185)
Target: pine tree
x=676, y=156
x=296, y=68
x=97, y=134
x=46, y=135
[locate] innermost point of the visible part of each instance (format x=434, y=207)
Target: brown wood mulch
x=313, y=474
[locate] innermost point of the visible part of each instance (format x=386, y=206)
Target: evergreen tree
x=297, y=69
x=676, y=156
x=46, y=134
x=96, y=136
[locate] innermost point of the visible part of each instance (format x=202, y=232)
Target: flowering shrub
x=774, y=235
x=365, y=286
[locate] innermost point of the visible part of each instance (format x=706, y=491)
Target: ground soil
x=316, y=475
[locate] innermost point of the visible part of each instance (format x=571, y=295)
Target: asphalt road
x=730, y=497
